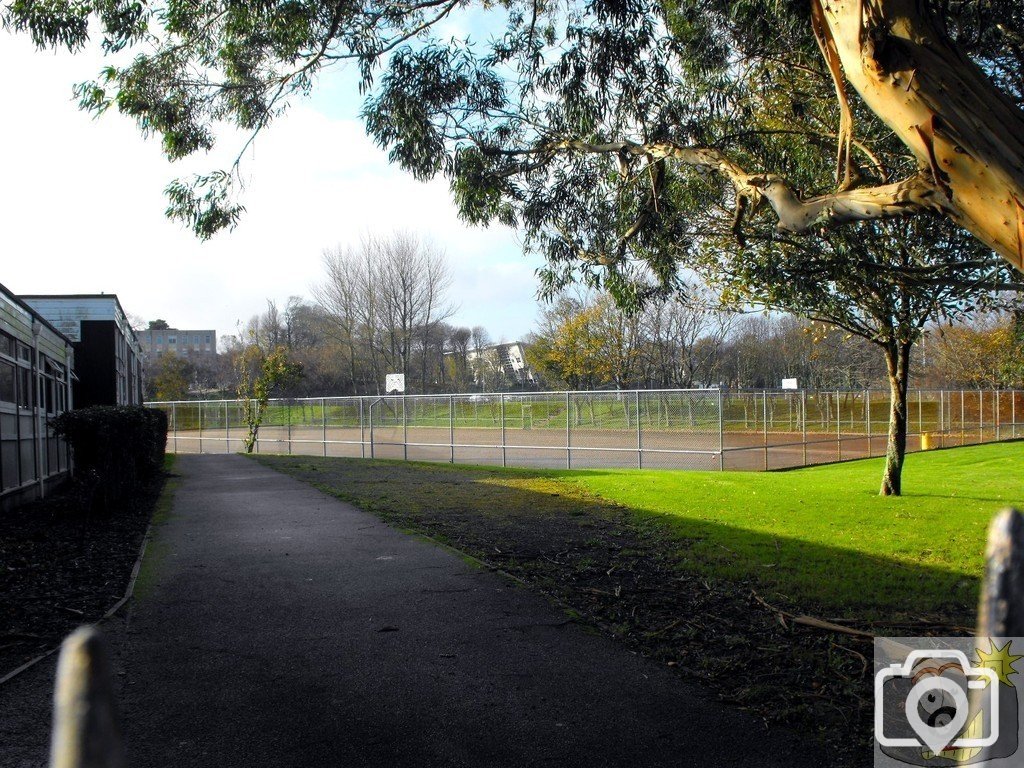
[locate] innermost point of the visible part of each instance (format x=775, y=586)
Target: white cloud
x=81, y=211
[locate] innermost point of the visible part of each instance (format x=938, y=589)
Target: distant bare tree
x=685, y=335
x=385, y=300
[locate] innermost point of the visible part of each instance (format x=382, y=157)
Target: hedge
x=116, y=449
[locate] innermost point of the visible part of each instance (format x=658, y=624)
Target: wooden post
x=85, y=729
x=1001, y=612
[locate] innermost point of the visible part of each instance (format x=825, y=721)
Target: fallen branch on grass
x=810, y=621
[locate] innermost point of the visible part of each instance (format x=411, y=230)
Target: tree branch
x=917, y=193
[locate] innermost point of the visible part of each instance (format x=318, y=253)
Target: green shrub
x=116, y=450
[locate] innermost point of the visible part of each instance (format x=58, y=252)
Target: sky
x=82, y=209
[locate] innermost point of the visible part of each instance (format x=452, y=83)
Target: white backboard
x=790, y=384
x=394, y=383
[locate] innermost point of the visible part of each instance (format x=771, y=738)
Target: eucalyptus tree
x=652, y=86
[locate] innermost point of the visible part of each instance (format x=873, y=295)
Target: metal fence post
x=568, y=435
x=451, y=426
x=867, y=420
x=839, y=430
x=362, y=431
x=999, y=399
x=174, y=421
x=288, y=415
x=370, y=415
x=803, y=422
x=920, y=415
x=256, y=442
x=501, y=400
x=405, y=432
x=963, y=418
x=200, y=407
x=764, y=425
x=639, y=437
x=227, y=428
x=1013, y=412
x=721, y=431
x=981, y=416
x=323, y=417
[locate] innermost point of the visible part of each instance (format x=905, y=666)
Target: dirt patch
x=618, y=571
x=61, y=568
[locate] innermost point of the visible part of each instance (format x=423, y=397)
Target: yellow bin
x=928, y=441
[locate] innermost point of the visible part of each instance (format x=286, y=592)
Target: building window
x=6, y=382
x=24, y=388
x=172, y=339
x=160, y=338
x=208, y=341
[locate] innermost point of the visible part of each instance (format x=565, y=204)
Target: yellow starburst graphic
x=999, y=660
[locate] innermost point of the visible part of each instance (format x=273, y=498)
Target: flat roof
x=51, y=296
x=35, y=313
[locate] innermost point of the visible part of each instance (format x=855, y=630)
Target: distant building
x=36, y=364
x=192, y=345
x=508, y=360
x=108, y=356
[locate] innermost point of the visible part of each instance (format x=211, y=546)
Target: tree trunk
x=897, y=363
x=942, y=106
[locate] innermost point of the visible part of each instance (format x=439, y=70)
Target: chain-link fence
x=670, y=429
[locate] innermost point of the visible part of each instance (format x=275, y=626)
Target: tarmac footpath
x=276, y=626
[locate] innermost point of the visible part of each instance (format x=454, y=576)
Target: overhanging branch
x=915, y=194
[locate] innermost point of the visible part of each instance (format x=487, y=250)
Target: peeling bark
x=961, y=128
x=967, y=136
x=916, y=194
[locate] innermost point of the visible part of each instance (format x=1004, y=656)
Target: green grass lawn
x=823, y=536
x=815, y=540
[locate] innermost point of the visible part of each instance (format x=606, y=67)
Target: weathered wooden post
x=1001, y=613
x=85, y=729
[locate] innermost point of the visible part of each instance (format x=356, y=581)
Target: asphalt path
x=276, y=626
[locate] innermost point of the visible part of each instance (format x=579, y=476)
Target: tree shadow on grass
x=683, y=592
